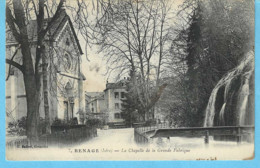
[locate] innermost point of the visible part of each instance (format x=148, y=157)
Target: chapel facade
x=64, y=76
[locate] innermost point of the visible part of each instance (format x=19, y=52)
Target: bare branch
x=9, y=69
x=11, y=23
x=15, y=64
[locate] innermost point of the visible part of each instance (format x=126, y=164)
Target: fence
x=144, y=128
x=142, y=131
x=68, y=137
x=60, y=137
x=115, y=125
x=238, y=133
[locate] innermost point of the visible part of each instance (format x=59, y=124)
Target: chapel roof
x=54, y=30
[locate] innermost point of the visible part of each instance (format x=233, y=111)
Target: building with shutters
x=106, y=105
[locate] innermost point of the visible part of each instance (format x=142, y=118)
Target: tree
x=17, y=18
x=134, y=36
x=131, y=104
x=194, y=63
x=215, y=37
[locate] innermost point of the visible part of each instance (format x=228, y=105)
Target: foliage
x=133, y=35
x=73, y=121
x=17, y=128
x=60, y=122
x=216, y=36
x=150, y=122
x=96, y=123
x=131, y=104
x=132, y=108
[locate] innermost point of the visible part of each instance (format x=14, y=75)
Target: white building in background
x=106, y=105
x=95, y=105
x=113, y=95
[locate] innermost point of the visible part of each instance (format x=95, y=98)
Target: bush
x=59, y=122
x=73, y=121
x=17, y=127
x=150, y=122
x=96, y=123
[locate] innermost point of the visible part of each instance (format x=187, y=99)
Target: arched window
x=66, y=62
x=67, y=42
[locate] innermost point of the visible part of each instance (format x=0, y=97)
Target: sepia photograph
x=129, y=80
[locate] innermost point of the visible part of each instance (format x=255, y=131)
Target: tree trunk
x=45, y=93
x=16, y=20
x=30, y=79
x=33, y=103
x=32, y=90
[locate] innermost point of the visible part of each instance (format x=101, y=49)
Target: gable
x=54, y=30
x=64, y=27
x=66, y=31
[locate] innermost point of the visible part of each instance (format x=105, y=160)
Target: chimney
x=63, y=7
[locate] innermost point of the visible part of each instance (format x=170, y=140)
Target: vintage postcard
x=129, y=80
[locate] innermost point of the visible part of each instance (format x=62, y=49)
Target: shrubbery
x=59, y=122
x=19, y=127
x=97, y=123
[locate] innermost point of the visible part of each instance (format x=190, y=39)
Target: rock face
x=232, y=100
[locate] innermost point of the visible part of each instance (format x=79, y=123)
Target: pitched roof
x=94, y=94
x=118, y=85
x=54, y=30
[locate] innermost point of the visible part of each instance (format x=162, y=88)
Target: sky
x=93, y=64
